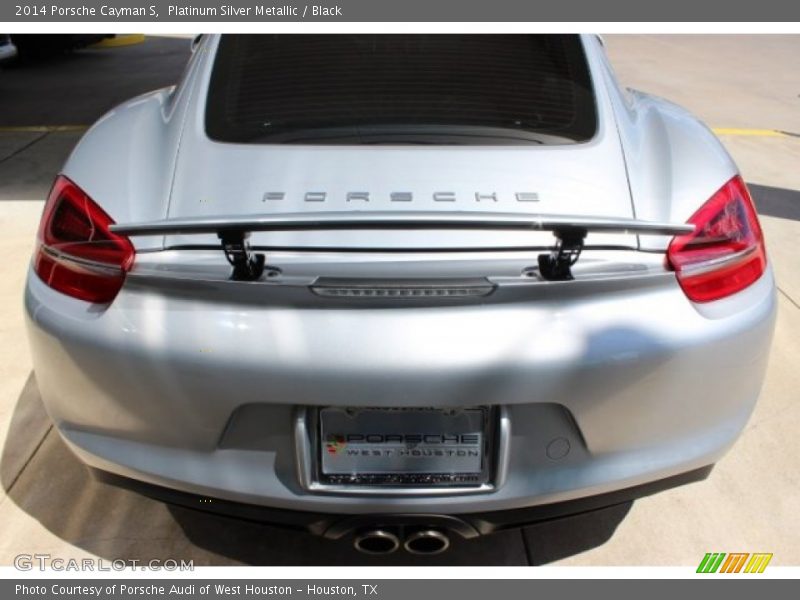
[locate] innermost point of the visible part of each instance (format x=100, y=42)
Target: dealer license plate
x=379, y=446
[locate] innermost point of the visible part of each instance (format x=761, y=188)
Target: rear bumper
x=194, y=393
x=336, y=526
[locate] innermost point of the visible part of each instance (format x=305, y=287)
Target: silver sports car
x=399, y=287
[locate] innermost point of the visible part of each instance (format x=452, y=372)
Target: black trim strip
x=333, y=525
x=371, y=250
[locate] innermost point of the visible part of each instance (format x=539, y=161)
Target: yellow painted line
x=43, y=128
x=120, y=40
x=748, y=132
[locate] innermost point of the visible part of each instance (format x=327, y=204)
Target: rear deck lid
x=377, y=123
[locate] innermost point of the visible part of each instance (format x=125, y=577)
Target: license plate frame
x=427, y=469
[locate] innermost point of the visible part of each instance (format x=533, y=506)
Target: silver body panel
x=195, y=382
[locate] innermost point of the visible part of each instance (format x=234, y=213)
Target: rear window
x=395, y=89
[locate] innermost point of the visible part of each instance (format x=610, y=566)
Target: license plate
x=374, y=446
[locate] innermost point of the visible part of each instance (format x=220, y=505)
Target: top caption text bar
x=253, y=11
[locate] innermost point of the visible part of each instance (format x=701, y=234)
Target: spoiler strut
x=233, y=231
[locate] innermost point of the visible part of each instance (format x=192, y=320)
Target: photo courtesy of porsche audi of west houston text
x=176, y=10
x=399, y=288
x=150, y=590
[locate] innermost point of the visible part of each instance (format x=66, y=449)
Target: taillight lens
x=725, y=253
x=77, y=254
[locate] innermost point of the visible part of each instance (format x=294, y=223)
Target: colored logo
x=334, y=444
x=734, y=562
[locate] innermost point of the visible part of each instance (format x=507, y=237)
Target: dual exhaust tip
x=422, y=541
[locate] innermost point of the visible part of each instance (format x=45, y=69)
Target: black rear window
x=389, y=89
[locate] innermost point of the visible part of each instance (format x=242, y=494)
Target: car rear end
x=394, y=369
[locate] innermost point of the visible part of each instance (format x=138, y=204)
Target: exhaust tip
x=427, y=541
x=376, y=541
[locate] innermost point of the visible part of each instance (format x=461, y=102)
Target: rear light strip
x=715, y=264
x=74, y=261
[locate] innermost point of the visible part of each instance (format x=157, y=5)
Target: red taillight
x=77, y=254
x=725, y=253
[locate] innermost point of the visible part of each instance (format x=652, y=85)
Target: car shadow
x=45, y=480
x=776, y=202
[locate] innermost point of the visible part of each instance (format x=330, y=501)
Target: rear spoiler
x=233, y=231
